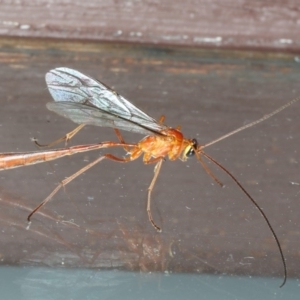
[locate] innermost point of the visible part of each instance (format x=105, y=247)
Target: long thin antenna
x=252, y=123
x=256, y=205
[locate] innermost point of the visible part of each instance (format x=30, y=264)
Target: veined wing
x=87, y=101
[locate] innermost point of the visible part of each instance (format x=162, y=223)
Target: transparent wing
x=85, y=100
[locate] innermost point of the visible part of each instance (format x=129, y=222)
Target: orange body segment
x=171, y=144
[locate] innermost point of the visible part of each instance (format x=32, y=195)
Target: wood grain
x=206, y=23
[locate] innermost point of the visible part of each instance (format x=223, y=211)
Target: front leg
x=157, y=167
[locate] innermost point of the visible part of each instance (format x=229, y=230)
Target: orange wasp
x=88, y=102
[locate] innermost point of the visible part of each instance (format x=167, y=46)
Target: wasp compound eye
x=194, y=146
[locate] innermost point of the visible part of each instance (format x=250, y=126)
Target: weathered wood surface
x=252, y=24
x=100, y=219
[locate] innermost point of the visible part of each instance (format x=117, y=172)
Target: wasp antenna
x=207, y=169
x=265, y=117
x=260, y=210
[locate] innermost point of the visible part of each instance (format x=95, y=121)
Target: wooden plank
x=100, y=219
x=207, y=23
